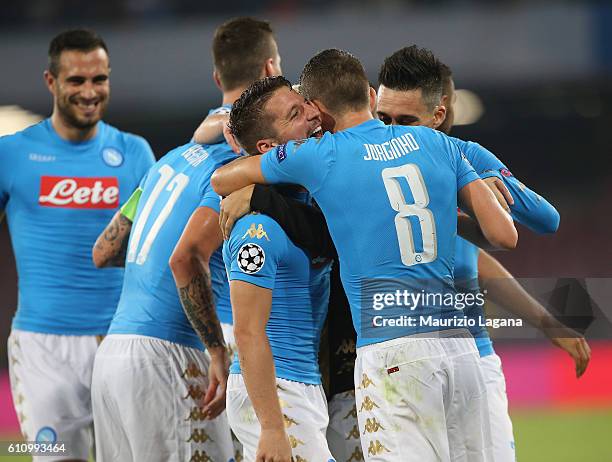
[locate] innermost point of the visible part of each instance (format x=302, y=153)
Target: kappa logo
x=79, y=192
x=254, y=232
x=289, y=422
x=376, y=448
x=251, y=258
x=199, y=436
x=372, y=426
x=295, y=442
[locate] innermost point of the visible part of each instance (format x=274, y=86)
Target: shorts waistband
x=437, y=334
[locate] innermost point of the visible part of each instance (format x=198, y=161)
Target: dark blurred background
x=539, y=95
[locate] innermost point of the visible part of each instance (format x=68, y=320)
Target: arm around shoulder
x=496, y=225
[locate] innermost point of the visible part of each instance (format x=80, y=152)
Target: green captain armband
x=128, y=210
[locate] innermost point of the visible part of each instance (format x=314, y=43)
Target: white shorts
x=51, y=386
x=422, y=398
x=305, y=411
x=145, y=395
x=230, y=340
x=343, y=430
x=501, y=425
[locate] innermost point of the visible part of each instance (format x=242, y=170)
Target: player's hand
x=273, y=446
x=229, y=138
x=214, y=400
x=577, y=347
x=234, y=206
x=501, y=192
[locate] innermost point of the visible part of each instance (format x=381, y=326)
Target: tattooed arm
x=189, y=265
x=111, y=245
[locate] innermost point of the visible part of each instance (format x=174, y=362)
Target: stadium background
x=540, y=96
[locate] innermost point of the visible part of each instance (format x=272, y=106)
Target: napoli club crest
x=112, y=157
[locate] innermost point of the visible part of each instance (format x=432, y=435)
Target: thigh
x=400, y=394
x=51, y=386
x=343, y=430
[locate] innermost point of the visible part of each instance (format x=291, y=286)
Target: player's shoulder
x=129, y=141
x=258, y=229
x=30, y=133
x=220, y=153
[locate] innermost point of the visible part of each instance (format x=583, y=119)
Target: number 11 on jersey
x=176, y=186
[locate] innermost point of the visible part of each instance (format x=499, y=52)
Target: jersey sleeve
x=464, y=171
x=304, y=162
x=529, y=208
x=210, y=199
x=254, y=251
x=478, y=156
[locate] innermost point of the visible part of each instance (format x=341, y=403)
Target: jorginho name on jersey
x=58, y=196
x=393, y=217
x=172, y=189
x=260, y=253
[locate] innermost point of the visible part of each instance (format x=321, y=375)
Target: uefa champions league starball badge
x=251, y=258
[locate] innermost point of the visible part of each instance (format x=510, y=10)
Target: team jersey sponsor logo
x=79, y=192
x=112, y=157
x=505, y=172
x=251, y=258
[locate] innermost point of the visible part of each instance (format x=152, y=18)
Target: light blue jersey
x=529, y=209
x=389, y=194
x=174, y=187
x=260, y=253
x=58, y=197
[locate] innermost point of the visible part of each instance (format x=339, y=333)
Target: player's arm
x=111, y=246
x=237, y=174
x=304, y=224
x=214, y=129
x=251, y=306
x=526, y=206
x=496, y=225
x=505, y=291
x=190, y=267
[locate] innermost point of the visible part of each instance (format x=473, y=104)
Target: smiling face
x=81, y=87
x=292, y=117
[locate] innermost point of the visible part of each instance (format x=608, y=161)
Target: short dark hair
x=411, y=68
x=337, y=79
x=83, y=40
x=248, y=121
x=240, y=47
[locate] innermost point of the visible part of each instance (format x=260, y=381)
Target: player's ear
x=49, y=81
x=269, y=70
x=439, y=115
x=265, y=145
x=373, y=101
x=217, y=79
